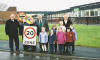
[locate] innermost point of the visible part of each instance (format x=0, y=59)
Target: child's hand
x=54, y=42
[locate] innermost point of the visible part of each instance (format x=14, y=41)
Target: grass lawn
x=88, y=36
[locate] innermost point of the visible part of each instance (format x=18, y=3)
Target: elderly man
x=11, y=29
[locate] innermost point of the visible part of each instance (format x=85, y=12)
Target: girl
x=61, y=24
x=70, y=39
x=21, y=29
x=32, y=23
x=61, y=38
x=52, y=39
x=43, y=39
x=24, y=23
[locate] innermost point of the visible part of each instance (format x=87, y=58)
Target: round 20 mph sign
x=30, y=32
x=29, y=35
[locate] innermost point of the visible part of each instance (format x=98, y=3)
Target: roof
x=87, y=6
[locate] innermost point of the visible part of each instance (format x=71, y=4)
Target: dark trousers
x=51, y=48
x=47, y=46
x=55, y=47
x=61, y=48
x=40, y=47
x=14, y=39
x=70, y=44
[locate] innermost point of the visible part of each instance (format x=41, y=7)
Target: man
x=11, y=29
x=40, y=22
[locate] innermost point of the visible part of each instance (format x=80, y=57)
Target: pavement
x=8, y=56
x=81, y=53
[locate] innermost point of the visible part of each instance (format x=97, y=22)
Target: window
x=87, y=13
x=92, y=13
x=82, y=13
x=96, y=13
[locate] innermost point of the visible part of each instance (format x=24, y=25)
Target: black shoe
x=17, y=52
x=11, y=52
x=72, y=52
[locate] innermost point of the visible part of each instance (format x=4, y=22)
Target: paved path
x=79, y=51
x=8, y=56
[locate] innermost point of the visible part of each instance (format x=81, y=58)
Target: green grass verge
x=88, y=36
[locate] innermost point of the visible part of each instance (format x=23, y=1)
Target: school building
x=83, y=14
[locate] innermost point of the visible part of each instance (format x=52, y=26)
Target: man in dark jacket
x=41, y=22
x=11, y=29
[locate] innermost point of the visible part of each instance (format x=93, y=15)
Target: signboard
x=76, y=9
x=29, y=35
x=21, y=16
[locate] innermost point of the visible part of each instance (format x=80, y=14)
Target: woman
x=67, y=21
x=24, y=23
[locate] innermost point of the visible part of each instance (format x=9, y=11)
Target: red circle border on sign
x=33, y=35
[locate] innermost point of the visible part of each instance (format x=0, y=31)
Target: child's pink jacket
x=61, y=37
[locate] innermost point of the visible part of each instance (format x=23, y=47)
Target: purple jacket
x=61, y=38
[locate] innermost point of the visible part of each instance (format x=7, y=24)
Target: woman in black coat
x=67, y=22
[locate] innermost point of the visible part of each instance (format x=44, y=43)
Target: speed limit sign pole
x=29, y=35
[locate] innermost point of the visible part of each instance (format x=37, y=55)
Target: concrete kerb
x=51, y=55
x=41, y=54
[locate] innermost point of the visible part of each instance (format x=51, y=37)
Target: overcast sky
x=45, y=5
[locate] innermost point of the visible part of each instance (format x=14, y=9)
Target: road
x=81, y=52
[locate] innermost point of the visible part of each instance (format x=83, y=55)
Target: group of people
x=62, y=35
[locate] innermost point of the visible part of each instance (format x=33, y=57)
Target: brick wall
x=6, y=15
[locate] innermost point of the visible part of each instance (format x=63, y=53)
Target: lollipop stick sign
x=29, y=36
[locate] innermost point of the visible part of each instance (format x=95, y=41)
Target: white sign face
x=29, y=35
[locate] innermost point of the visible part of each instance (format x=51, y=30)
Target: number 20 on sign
x=29, y=35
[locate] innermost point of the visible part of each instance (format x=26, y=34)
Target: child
x=61, y=24
x=61, y=38
x=73, y=30
x=43, y=39
x=70, y=39
x=24, y=23
x=54, y=28
x=52, y=38
x=54, y=31
x=32, y=23
x=21, y=29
